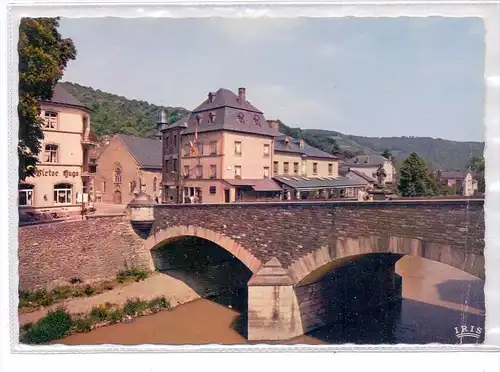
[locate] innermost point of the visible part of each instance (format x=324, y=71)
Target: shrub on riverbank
x=55, y=325
x=58, y=324
x=42, y=297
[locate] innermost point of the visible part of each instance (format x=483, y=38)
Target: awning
x=266, y=185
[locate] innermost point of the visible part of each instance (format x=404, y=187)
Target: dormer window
x=301, y=144
x=211, y=117
x=50, y=120
x=256, y=120
x=198, y=118
x=287, y=140
x=211, y=97
x=240, y=117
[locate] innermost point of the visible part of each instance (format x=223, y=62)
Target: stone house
x=126, y=165
x=463, y=182
x=371, y=166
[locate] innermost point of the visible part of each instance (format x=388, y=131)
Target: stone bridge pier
x=278, y=309
x=313, y=263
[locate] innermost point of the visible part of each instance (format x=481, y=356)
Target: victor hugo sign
x=53, y=173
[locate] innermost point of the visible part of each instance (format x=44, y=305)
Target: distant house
x=369, y=165
x=463, y=182
x=127, y=164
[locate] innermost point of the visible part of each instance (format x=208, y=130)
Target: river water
x=436, y=299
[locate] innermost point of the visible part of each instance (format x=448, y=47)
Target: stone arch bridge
x=290, y=249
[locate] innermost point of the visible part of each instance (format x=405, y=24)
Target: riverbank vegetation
x=59, y=323
x=33, y=300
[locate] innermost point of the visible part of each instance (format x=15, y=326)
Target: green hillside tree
x=415, y=178
x=43, y=56
x=477, y=165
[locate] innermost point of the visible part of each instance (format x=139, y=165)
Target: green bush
x=114, y=316
x=131, y=274
x=82, y=325
x=53, y=326
x=75, y=280
x=135, y=307
x=159, y=303
x=89, y=291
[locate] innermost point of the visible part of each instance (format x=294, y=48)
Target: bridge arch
x=345, y=248
x=162, y=236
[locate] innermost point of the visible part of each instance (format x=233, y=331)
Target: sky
x=372, y=77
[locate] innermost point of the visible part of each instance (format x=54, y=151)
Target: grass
x=58, y=324
x=76, y=288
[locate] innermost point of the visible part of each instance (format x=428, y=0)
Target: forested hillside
x=116, y=114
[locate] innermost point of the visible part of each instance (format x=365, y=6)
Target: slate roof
x=361, y=175
x=304, y=183
x=448, y=175
x=293, y=146
x=62, y=97
x=366, y=161
x=147, y=152
x=226, y=109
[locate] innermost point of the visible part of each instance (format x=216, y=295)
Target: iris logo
x=464, y=332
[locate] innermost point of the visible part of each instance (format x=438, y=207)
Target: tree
x=415, y=178
x=386, y=154
x=477, y=166
x=43, y=56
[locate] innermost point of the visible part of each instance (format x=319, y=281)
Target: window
x=213, y=190
x=213, y=147
x=26, y=194
x=51, y=153
x=266, y=151
x=166, y=140
x=50, y=120
x=315, y=168
x=131, y=187
x=285, y=167
x=154, y=184
x=330, y=169
x=295, y=168
x=237, y=172
x=199, y=171
x=118, y=176
x=266, y=172
x=237, y=148
x=213, y=171
x=200, y=148
x=276, y=168
x=175, y=140
x=304, y=168
x=103, y=186
x=63, y=193
x=175, y=165
x=186, y=171
x=167, y=168
x=187, y=149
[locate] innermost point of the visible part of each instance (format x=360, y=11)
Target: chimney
x=273, y=124
x=242, y=96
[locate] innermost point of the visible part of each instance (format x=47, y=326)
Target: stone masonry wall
x=289, y=231
x=90, y=250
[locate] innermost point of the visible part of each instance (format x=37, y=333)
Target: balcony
x=89, y=170
x=89, y=139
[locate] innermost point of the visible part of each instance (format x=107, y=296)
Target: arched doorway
x=117, y=197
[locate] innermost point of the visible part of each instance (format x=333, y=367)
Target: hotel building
x=64, y=176
x=226, y=151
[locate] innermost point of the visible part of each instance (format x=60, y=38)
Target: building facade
x=462, y=183
x=64, y=177
x=226, y=151
x=377, y=167
x=126, y=165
